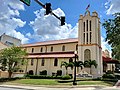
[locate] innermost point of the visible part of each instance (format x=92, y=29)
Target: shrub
x=110, y=76
x=59, y=72
x=66, y=77
x=43, y=77
x=117, y=76
x=109, y=72
x=109, y=80
x=10, y=79
x=48, y=77
x=44, y=72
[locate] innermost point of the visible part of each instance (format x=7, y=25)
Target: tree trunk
x=10, y=74
x=90, y=71
x=66, y=70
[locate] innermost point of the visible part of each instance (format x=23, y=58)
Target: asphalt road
x=9, y=88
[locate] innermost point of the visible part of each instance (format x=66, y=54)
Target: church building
x=48, y=55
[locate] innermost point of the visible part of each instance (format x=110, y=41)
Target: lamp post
x=74, y=81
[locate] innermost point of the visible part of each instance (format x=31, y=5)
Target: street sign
x=27, y=2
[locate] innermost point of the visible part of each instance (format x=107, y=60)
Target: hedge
x=48, y=77
x=10, y=79
x=110, y=76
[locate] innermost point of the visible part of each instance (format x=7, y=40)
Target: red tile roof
x=109, y=60
x=62, y=41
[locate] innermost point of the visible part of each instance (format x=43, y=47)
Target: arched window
x=70, y=60
x=45, y=48
x=41, y=49
x=77, y=47
x=84, y=26
x=84, y=38
x=31, y=72
x=90, y=37
x=43, y=62
x=87, y=24
x=55, y=62
x=90, y=25
x=87, y=38
x=32, y=62
x=32, y=50
x=87, y=54
x=63, y=48
x=51, y=49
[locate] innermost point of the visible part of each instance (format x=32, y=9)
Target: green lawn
x=55, y=82
x=36, y=81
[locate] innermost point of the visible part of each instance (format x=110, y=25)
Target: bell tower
x=89, y=41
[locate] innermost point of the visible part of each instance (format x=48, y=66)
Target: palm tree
x=79, y=64
x=90, y=63
x=67, y=65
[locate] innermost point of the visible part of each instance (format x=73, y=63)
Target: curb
x=32, y=87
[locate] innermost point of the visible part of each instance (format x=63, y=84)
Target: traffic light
x=62, y=20
x=48, y=8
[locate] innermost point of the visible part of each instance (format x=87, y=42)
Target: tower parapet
x=95, y=14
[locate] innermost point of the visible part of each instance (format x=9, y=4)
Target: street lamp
x=74, y=82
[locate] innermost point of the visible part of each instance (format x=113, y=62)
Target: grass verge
x=55, y=82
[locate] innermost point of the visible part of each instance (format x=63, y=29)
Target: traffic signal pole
x=47, y=6
x=41, y=4
x=56, y=16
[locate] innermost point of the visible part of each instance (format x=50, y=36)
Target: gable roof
x=53, y=42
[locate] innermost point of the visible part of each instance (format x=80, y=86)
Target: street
x=9, y=88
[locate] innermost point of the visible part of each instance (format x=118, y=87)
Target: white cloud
x=112, y=6
x=16, y=4
x=48, y=27
x=19, y=22
x=10, y=19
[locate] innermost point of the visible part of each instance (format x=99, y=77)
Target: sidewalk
x=56, y=87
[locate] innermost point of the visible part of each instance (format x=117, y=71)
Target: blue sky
x=29, y=24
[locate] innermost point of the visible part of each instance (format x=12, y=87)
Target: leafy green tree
x=90, y=63
x=11, y=59
x=116, y=52
x=66, y=65
x=112, y=27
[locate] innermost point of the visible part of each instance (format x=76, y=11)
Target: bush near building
x=65, y=77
